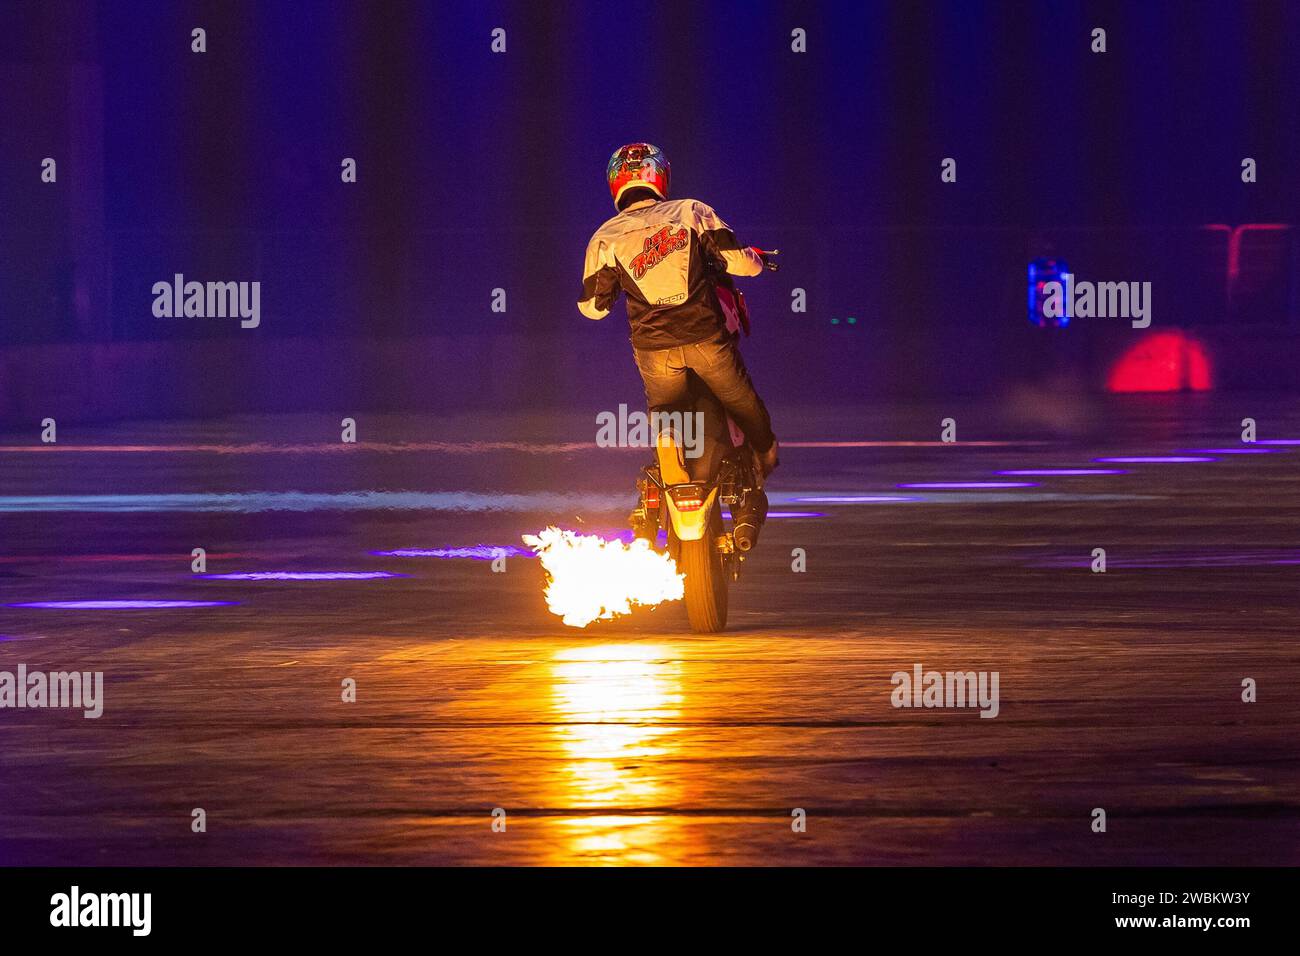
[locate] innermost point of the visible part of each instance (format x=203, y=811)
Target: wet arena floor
x=634, y=741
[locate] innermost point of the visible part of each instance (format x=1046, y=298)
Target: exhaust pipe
x=748, y=520
x=746, y=535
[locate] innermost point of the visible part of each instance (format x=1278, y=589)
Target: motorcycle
x=685, y=496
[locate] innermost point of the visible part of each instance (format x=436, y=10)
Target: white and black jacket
x=660, y=254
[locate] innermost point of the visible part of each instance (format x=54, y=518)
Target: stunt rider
x=660, y=253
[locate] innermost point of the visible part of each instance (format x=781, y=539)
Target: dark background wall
x=479, y=171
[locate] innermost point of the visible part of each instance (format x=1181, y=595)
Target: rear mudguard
x=691, y=525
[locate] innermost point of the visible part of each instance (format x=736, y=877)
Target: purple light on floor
x=1278, y=441
x=796, y=514
x=1152, y=459
x=1061, y=472
x=478, y=552
x=120, y=605
x=960, y=485
x=1230, y=451
x=301, y=576
x=854, y=499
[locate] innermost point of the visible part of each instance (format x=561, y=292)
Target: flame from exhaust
x=590, y=579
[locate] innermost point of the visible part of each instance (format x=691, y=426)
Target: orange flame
x=589, y=578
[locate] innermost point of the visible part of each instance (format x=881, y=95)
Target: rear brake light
x=687, y=498
x=652, y=496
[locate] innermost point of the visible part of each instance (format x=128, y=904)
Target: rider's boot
x=672, y=464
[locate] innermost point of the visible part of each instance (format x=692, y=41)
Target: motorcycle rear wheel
x=706, y=581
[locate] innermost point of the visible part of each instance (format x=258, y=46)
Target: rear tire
x=706, y=583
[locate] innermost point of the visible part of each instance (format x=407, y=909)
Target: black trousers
x=718, y=363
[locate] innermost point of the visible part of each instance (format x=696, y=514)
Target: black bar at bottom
x=377, y=905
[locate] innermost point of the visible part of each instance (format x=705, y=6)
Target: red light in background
x=1162, y=362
